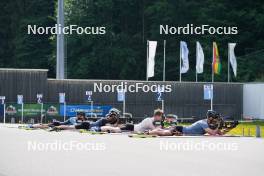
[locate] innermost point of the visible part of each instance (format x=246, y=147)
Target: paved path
x=118, y=155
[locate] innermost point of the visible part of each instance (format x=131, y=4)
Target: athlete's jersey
x=70, y=121
x=144, y=125
x=197, y=128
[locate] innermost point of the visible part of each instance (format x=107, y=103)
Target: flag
x=216, y=60
x=232, y=57
x=152, y=45
x=199, y=58
x=184, y=57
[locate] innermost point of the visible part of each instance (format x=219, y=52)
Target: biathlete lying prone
x=80, y=117
x=147, y=124
x=212, y=125
x=111, y=119
x=156, y=125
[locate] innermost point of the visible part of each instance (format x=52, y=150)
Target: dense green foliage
x=121, y=52
x=17, y=48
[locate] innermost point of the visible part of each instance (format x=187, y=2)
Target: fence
x=185, y=99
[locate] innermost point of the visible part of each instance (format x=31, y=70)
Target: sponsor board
x=100, y=111
x=32, y=110
x=1, y=110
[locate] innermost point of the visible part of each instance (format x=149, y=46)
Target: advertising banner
x=100, y=111
x=32, y=110
x=52, y=109
x=1, y=110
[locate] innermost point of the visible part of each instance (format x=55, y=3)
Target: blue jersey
x=197, y=128
x=96, y=126
x=70, y=121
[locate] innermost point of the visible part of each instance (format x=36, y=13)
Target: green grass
x=249, y=128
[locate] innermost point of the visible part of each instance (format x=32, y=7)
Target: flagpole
x=228, y=67
x=22, y=112
x=180, y=62
x=164, y=61
x=64, y=111
x=4, y=113
x=147, y=60
x=212, y=96
x=213, y=65
x=41, y=109
x=196, y=75
x=212, y=79
x=124, y=103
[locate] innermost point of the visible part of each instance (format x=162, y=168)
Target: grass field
x=249, y=128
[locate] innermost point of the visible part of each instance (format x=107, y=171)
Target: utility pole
x=60, y=41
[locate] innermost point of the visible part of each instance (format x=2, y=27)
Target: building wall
x=253, y=100
x=27, y=82
x=185, y=100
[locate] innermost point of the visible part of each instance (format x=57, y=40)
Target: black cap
x=211, y=113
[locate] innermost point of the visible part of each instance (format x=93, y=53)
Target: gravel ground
x=42, y=153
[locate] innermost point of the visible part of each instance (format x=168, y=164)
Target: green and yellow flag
x=216, y=60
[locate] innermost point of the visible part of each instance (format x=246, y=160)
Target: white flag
x=184, y=57
x=232, y=57
x=151, y=58
x=199, y=58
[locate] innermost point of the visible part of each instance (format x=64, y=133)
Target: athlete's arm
x=66, y=127
x=111, y=129
x=40, y=126
x=224, y=131
x=212, y=132
x=160, y=132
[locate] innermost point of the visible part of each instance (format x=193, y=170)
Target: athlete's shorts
x=83, y=125
x=128, y=127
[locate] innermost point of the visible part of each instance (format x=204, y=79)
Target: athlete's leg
x=161, y=132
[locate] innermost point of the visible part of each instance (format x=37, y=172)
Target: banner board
x=100, y=111
x=32, y=110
